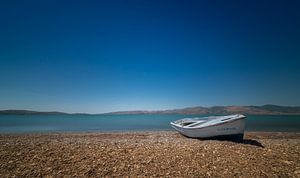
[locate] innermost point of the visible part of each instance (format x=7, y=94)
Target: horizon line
x=143, y=110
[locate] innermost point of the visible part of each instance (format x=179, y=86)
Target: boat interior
x=194, y=122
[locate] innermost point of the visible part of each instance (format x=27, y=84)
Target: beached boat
x=213, y=126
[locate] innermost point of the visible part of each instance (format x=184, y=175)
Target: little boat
x=213, y=126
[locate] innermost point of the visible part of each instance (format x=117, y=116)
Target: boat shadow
x=235, y=139
x=241, y=141
x=252, y=142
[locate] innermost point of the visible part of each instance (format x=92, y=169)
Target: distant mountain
x=28, y=112
x=249, y=110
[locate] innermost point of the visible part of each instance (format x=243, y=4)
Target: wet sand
x=156, y=154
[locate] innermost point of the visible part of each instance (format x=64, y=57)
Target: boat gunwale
x=219, y=123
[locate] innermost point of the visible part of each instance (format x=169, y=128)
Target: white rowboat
x=213, y=126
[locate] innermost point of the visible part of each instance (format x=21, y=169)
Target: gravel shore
x=156, y=154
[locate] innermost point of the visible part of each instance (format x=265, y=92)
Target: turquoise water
x=103, y=123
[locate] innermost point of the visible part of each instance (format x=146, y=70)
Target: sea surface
x=107, y=123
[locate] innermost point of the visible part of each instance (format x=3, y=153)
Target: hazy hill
x=28, y=112
x=250, y=110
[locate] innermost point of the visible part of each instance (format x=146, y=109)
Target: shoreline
x=148, y=153
x=132, y=131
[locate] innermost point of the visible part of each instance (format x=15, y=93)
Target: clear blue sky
x=100, y=56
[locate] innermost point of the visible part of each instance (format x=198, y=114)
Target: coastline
x=148, y=153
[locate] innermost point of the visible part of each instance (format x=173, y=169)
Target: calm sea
x=103, y=123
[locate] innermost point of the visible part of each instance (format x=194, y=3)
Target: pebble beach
x=150, y=154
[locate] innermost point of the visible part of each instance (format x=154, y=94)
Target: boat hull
x=234, y=128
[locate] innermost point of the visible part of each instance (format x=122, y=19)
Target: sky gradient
x=102, y=56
